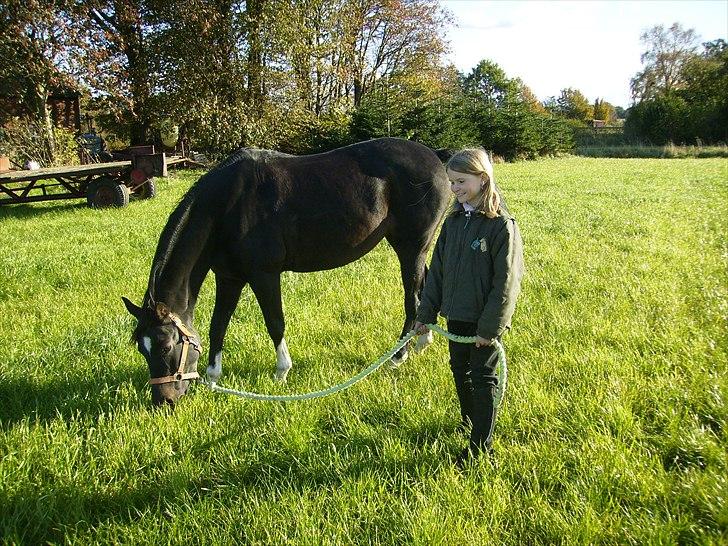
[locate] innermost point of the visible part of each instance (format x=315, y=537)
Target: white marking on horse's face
x=145, y=346
x=283, y=361
x=214, y=369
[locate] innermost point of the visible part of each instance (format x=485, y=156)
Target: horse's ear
x=135, y=311
x=162, y=311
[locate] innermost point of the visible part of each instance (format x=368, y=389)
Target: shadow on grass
x=28, y=211
x=65, y=398
x=33, y=516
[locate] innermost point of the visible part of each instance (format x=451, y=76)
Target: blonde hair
x=475, y=161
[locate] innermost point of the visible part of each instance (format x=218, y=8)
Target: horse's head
x=170, y=347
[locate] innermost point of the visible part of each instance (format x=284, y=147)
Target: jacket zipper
x=460, y=256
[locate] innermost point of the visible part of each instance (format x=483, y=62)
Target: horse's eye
x=166, y=349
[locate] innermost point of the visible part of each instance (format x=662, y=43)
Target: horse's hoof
x=423, y=342
x=396, y=361
x=213, y=374
x=281, y=375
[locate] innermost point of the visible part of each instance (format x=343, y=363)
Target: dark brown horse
x=260, y=213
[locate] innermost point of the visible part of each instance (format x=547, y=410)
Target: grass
x=669, y=151
x=613, y=430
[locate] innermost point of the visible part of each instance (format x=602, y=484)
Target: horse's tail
x=421, y=287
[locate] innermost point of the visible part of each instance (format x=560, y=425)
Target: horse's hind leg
x=227, y=295
x=267, y=289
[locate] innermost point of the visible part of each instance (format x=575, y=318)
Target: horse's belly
x=326, y=245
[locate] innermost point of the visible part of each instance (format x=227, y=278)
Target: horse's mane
x=181, y=214
x=177, y=220
x=256, y=154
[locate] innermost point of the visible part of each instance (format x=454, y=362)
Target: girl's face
x=468, y=188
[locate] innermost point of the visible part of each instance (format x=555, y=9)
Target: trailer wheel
x=147, y=190
x=108, y=193
x=91, y=191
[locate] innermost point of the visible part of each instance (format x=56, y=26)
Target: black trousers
x=474, y=371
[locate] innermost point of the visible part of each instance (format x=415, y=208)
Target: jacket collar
x=460, y=209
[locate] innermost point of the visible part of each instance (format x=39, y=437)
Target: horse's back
x=410, y=174
x=321, y=211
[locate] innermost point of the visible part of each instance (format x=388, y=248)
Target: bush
x=24, y=140
x=517, y=132
x=444, y=123
x=308, y=134
x=600, y=136
x=661, y=120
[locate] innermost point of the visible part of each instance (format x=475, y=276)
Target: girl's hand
x=482, y=342
x=420, y=328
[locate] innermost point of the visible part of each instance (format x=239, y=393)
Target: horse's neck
x=180, y=263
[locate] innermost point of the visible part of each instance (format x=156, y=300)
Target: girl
x=473, y=281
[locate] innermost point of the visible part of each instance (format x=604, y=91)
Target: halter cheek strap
x=188, y=338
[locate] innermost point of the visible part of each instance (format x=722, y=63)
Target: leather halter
x=188, y=338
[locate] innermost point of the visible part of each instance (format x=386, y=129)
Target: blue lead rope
x=501, y=368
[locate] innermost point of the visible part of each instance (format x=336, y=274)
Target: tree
x=387, y=37
x=667, y=52
x=511, y=121
x=706, y=81
x=572, y=104
x=527, y=96
x=35, y=38
x=604, y=111
x=694, y=111
x=660, y=121
x=488, y=83
x=117, y=62
x=203, y=81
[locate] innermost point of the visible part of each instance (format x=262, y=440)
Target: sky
x=590, y=45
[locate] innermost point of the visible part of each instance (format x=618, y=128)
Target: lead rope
x=501, y=368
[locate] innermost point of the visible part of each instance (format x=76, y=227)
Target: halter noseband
x=188, y=338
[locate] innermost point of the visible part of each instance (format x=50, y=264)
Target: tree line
x=299, y=76
x=295, y=75
x=681, y=94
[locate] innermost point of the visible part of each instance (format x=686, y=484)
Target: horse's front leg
x=267, y=289
x=227, y=295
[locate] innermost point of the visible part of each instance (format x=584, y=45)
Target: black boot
x=464, y=391
x=483, y=419
x=466, y=455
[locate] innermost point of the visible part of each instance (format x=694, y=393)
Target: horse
x=260, y=213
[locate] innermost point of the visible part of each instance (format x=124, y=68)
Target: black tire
x=91, y=191
x=109, y=194
x=146, y=190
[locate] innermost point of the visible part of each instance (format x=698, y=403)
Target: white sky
x=590, y=45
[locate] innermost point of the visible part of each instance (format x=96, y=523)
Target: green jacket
x=476, y=271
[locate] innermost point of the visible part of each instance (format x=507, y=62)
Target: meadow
x=669, y=151
x=613, y=429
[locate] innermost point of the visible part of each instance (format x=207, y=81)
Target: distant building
x=63, y=105
x=65, y=109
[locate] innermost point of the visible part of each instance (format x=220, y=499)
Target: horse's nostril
x=164, y=404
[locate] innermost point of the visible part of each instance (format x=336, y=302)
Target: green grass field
x=669, y=151
x=613, y=429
